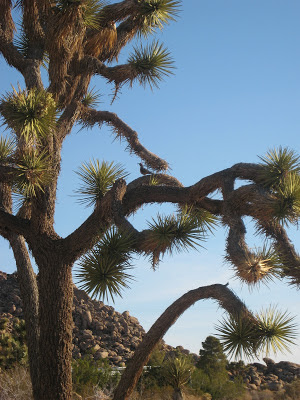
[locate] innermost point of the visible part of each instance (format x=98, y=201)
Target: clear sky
x=235, y=94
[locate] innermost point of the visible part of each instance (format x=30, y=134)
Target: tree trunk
x=56, y=324
x=177, y=394
x=30, y=298
x=226, y=299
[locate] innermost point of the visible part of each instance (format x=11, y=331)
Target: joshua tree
x=75, y=39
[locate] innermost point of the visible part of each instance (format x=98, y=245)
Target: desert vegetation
x=76, y=40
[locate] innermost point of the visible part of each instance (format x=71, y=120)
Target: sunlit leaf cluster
x=103, y=271
x=154, y=14
x=97, y=178
x=281, y=175
x=176, y=232
x=29, y=113
x=259, y=266
x=151, y=64
x=269, y=330
x=177, y=371
x=33, y=173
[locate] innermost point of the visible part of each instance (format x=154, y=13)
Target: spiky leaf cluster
x=155, y=14
x=103, y=271
x=150, y=64
x=278, y=330
x=33, y=173
x=97, y=178
x=260, y=266
x=246, y=337
x=91, y=99
x=7, y=149
x=176, y=232
x=277, y=165
x=286, y=204
x=206, y=220
x=90, y=10
x=177, y=371
x=30, y=114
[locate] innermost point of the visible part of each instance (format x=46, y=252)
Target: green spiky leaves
x=238, y=336
x=169, y=233
x=281, y=175
x=7, y=149
x=30, y=114
x=154, y=14
x=103, y=271
x=91, y=99
x=268, y=330
x=97, y=178
x=277, y=330
x=33, y=173
x=286, y=204
x=278, y=164
x=177, y=371
x=150, y=64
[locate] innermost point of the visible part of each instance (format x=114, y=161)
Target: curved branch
x=91, y=117
x=225, y=298
x=11, y=54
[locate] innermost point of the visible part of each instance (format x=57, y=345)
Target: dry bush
x=15, y=384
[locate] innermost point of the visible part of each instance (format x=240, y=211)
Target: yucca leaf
x=97, y=178
x=155, y=14
x=30, y=114
x=177, y=371
x=239, y=336
x=277, y=330
x=33, y=173
x=91, y=99
x=286, y=204
x=206, y=220
x=7, y=149
x=277, y=165
x=269, y=330
x=168, y=233
x=262, y=265
x=103, y=271
x=151, y=64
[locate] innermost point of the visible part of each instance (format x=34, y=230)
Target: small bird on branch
x=144, y=171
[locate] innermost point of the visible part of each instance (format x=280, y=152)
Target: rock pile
x=272, y=376
x=99, y=331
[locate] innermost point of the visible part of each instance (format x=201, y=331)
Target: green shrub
x=13, y=349
x=88, y=374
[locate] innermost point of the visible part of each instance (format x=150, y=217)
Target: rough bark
x=55, y=317
x=224, y=296
x=30, y=298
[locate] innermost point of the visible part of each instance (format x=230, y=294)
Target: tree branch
x=225, y=298
x=91, y=117
x=11, y=224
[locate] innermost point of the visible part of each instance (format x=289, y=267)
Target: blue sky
x=234, y=95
